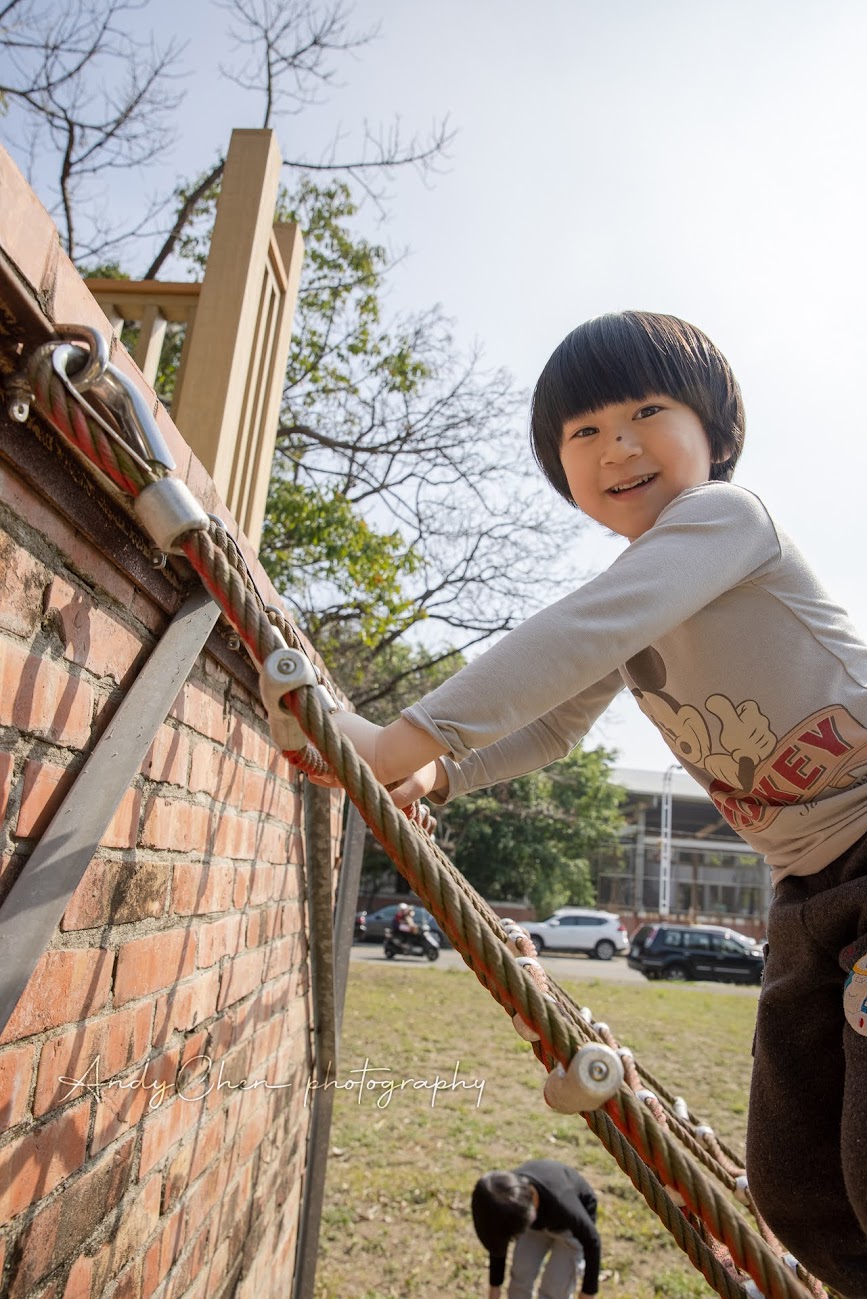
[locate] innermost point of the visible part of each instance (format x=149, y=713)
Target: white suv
x=574, y=929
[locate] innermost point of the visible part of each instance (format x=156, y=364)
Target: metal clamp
x=167, y=510
x=87, y=369
x=282, y=671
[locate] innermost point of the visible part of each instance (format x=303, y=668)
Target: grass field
x=403, y=1161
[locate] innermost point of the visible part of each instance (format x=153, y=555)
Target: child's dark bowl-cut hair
x=503, y=1205
x=626, y=356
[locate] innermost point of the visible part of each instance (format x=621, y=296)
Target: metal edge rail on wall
x=55, y=868
x=331, y=945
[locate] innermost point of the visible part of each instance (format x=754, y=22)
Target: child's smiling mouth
x=630, y=485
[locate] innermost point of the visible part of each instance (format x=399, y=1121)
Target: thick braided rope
x=225, y=576
x=649, y=1186
x=734, y=1159
x=223, y=571
x=708, y=1152
x=517, y=992
x=208, y=552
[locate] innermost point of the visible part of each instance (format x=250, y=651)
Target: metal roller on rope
x=595, y=1074
x=283, y=671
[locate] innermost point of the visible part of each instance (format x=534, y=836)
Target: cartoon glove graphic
x=745, y=733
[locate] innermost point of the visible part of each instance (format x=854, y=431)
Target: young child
x=549, y=1210
x=755, y=679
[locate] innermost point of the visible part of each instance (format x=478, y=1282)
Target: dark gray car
x=670, y=951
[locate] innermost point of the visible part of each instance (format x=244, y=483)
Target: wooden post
x=250, y=487
x=239, y=324
x=150, y=342
x=212, y=400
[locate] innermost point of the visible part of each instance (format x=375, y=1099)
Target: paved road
x=560, y=967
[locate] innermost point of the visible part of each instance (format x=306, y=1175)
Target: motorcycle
x=424, y=943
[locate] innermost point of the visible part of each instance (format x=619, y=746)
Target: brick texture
x=132, y=1161
x=97, y=1050
x=16, y=1074
x=45, y=787
x=22, y=579
x=7, y=765
x=58, y=1230
x=118, y=892
x=168, y=758
x=39, y=697
x=65, y=987
x=36, y=1162
x=90, y=637
x=147, y=965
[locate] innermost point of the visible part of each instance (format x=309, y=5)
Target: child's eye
x=647, y=411
x=586, y=432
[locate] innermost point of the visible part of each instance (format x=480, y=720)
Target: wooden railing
x=227, y=393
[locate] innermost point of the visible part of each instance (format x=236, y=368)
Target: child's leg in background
x=527, y=1258
x=807, y=1170
x=564, y=1267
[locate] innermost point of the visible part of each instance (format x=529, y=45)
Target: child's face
x=651, y=450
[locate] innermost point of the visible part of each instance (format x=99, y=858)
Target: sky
x=705, y=159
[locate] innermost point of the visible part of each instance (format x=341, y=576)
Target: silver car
x=601, y=934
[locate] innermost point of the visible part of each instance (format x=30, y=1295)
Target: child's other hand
x=363, y=734
x=419, y=783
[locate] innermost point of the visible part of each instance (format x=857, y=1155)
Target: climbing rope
x=640, y=1126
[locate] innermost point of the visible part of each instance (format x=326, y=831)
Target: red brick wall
x=185, y=940
x=180, y=965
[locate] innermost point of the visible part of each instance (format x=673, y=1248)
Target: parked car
x=600, y=934
x=376, y=923
x=670, y=951
x=739, y=938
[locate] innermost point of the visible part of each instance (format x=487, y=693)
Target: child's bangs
x=610, y=362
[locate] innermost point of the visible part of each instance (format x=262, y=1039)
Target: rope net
x=683, y=1171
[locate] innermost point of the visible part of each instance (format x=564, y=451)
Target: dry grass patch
x=396, y=1221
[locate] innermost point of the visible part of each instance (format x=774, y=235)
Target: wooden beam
x=132, y=298
x=217, y=364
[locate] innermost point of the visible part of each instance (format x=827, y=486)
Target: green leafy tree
x=407, y=451
x=534, y=836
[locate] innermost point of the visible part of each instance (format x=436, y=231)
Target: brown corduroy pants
x=807, y=1130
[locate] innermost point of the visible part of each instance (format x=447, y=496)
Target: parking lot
x=560, y=967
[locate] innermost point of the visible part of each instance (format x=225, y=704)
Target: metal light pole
x=665, y=842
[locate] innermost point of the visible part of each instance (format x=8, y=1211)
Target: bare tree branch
x=99, y=98
x=182, y=217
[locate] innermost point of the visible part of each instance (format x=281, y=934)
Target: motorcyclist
x=405, y=923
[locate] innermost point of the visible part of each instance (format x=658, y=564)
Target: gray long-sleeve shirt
x=713, y=620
